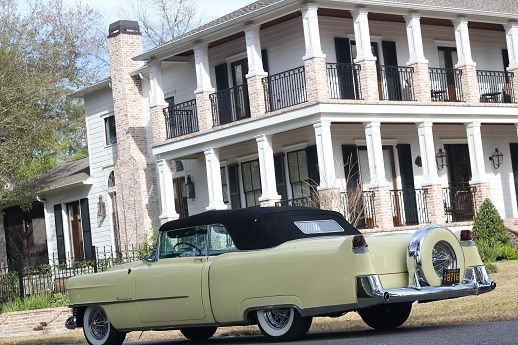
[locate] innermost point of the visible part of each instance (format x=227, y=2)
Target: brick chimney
x=134, y=167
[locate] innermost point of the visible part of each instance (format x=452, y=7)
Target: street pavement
x=498, y=333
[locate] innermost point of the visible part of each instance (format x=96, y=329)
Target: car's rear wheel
x=198, y=333
x=98, y=330
x=283, y=324
x=386, y=316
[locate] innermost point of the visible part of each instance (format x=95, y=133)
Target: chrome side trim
x=370, y=291
x=360, y=250
x=469, y=243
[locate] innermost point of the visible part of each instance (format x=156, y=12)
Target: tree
x=162, y=20
x=47, y=51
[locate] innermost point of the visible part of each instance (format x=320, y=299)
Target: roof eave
x=105, y=83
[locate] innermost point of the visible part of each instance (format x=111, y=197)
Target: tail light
x=360, y=245
x=466, y=238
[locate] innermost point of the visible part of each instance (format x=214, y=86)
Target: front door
x=180, y=197
x=459, y=172
x=75, y=231
x=241, y=101
x=514, y=161
x=170, y=289
x=447, y=59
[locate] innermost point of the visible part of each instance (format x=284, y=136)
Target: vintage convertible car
x=277, y=268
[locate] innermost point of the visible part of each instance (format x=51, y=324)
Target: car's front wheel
x=386, y=316
x=98, y=330
x=198, y=333
x=283, y=324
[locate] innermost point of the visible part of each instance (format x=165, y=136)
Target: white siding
x=179, y=80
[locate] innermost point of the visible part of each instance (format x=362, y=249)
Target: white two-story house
x=394, y=113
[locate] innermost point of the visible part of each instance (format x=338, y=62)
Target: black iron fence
x=21, y=277
x=230, y=105
x=395, y=83
x=306, y=201
x=459, y=203
x=285, y=89
x=343, y=81
x=181, y=119
x=446, y=85
x=409, y=207
x=496, y=87
x=359, y=210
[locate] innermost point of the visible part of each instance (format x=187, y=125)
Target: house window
x=224, y=184
x=298, y=171
x=251, y=182
x=75, y=230
x=109, y=130
x=111, y=180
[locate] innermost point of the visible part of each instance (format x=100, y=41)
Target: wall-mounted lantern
x=418, y=161
x=496, y=158
x=101, y=208
x=440, y=159
x=189, y=187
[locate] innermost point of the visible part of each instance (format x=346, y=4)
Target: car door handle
x=199, y=260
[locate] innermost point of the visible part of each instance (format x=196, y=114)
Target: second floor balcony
x=230, y=105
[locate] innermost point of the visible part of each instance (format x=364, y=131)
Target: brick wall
x=35, y=322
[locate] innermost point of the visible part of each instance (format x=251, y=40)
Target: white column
x=375, y=154
x=476, y=152
x=165, y=181
x=362, y=35
x=213, y=169
x=511, y=35
x=311, y=31
x=201, y=60
x=516, y=125
x=463, y=43
x=156, y=92
x=427, y=150
x=415, y=39
x=267, y=168
x=326, y=161
x=253, y=51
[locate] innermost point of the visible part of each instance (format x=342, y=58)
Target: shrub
x=35, y=302
x=488, y=225
x=507, y=252
x=490, y=234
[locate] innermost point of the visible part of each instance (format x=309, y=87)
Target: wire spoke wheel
x=99, y=324
x=443, y=257
x=278, y=318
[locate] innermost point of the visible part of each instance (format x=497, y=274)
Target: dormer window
x=110, y=131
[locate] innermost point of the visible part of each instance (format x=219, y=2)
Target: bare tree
x=163, y=20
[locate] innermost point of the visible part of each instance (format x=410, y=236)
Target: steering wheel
x=195, y=249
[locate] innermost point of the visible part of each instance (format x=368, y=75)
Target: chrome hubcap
x=443, y=257
x=277, y=318
x=98, y=323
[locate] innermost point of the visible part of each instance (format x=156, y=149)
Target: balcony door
x=241, y=101
x=461, y=207
x=224, y=102
x=447, y=59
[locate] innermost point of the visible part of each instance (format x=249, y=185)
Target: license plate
x=451, y=277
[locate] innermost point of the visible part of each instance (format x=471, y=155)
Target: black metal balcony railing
x=446, y=85
x=359, y=210
x=306, y=201
x=496, y=87
x=230, y=105
x=285, y=89
x=409, y=207
x=459, y=203
x=343, y=81
x=181, y=119
x=395, y=83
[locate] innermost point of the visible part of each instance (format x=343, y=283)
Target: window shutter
x=514, y=163
x=221, y=76
x=264, y=56
x=505, y=58
x=312, y=159
x=407, y=182
x=389, y=53
x=351, y=166
x=233, y=185
x=391, y=75
x=60, y=237
x=343, y=50
x=87, y=231
x=280, y=175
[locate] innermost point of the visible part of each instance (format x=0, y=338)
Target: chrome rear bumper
x=370, y=291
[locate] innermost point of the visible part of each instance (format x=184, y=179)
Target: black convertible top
x=263, y=227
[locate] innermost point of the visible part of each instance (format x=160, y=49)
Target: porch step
x=512, y=228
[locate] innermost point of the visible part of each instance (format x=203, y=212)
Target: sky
x=113, y=10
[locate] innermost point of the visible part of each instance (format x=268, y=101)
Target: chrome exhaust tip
x=71, y=323
x=386, y=296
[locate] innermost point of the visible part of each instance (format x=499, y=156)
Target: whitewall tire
x=98, y=330
x=283, y=323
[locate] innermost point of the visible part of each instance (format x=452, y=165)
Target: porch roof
x=66, y=175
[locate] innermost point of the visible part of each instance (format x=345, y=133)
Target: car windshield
x=186, y=242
